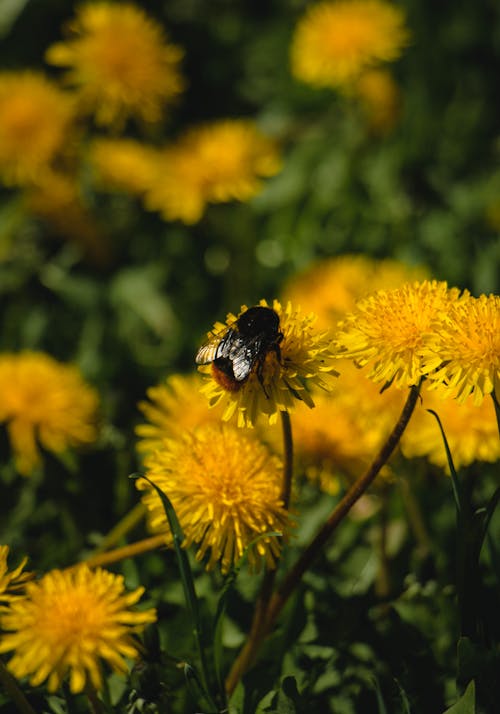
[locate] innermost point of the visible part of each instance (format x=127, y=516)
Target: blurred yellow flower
x=305, y=359
x=47, y=402
x=123, y=165
x=225, y=488
x=35, y=119
x=220, y=161
x=331, y=287
x=119, y=62
x=388, y=330
x=463, y=354
x=471, y=430
x=334, y=42
x=177, y=190
x=172, y=408
x=341, y=436
x=13, y=582
x=380, y=99
x=68, y=622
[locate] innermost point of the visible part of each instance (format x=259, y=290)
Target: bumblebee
x=243, y=348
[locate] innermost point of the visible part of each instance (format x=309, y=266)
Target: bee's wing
x=216, y=347
x=244, y=355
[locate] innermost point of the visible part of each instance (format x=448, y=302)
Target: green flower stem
x=357, y=489
x=258, y=630
x=128, y=551
x=95, y=704
x=293, y=578
x=129, y=521
x=497, y=409
x=286, y=490
x=11, y=687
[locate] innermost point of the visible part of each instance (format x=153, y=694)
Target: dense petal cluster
x=305, y=360
x=11, y=583
x=463, y=353
x=171, y=409
x=47, y=402
x=119, y=63
x=225, y=488
x=471, y=430
x=334, y=42
x=220, y=161
x=35, y=121
x=68, y=623
x=389, y=330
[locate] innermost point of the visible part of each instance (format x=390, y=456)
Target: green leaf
x=467, y=702
x=188, y=587
x=454, y=478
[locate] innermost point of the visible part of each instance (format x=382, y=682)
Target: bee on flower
x=262, y=361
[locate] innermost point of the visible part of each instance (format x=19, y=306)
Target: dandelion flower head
x=332, y=286
x=47, y=402
x=334, y=42
x=35, y=121
x=224, y=485
x=387, y=332
x=11, y=582
x=172, y=408
x=217, y=162
x=68, y=623
x=471, y=430
x=463, y=354
x=119, y=62
x=305, y=359
x=123, y=165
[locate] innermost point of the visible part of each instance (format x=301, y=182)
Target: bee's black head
x=257, y=321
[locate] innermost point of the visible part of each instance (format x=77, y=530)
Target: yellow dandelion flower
x=44, y=401
x=225, y=487
x=177, y=190
x=221, y=161
x=278, y=365
x=463, y=354
x=342, y=435
x=380, y=99
x=334, y=42
x=172, y=408
x=68, y=623
x=35, y=119
x=332, y=286
x=389, y=330
x=119, y=62
x=234, y=155
x=123, y=165
x=13, y=582
x=471, y=430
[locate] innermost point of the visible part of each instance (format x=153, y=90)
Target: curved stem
x=258, y=630
x=128, y=551
x=129, y=521
x=292, y=579
x=357, y=489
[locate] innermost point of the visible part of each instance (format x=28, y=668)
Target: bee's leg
x=260, y=367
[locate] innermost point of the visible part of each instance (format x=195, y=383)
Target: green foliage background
x=424, y=194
